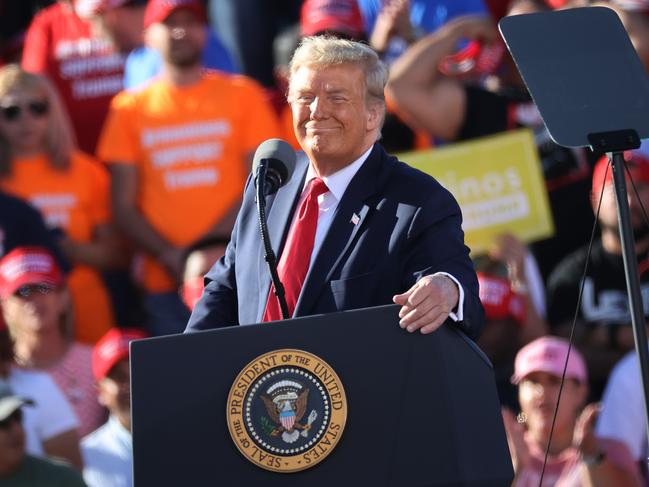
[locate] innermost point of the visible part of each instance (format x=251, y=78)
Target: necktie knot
x=317, y=187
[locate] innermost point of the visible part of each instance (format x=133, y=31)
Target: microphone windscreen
x=280, y=155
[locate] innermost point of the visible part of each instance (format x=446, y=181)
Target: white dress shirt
x=328, y=202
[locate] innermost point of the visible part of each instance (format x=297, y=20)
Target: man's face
x=608, y=210
x=12, y=442
x=179, y=39
x=114, y=390
x=332, y=120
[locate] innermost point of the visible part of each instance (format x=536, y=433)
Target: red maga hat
x=499, y=300
x=111, y=348
x=28, y=265
x=342, y=16
x=158, y=10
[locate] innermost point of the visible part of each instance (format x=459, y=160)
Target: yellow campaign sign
x=498, y=183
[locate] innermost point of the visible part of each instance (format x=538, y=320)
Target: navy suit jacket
x=407, y=226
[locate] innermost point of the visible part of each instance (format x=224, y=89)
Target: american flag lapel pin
x=355, y=219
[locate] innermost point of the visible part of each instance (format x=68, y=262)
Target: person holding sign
x=452, y=108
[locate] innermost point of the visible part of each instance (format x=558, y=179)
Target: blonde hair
x=59, y=138
x=323, y=51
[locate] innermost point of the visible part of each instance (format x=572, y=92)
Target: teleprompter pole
x=631, y=275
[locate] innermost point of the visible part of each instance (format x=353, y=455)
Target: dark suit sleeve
x=437, y=245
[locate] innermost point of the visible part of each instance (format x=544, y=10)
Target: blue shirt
x=145, y=63
x=426, y=16
x=108, y=456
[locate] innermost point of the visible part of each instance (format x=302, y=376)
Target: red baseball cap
x=548, y=354
x=499, y=300
x=28, y=265
x=111, y=348
x=331, y=15
x=158, y=10
x=637, y=163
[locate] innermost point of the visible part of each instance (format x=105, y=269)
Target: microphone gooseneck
x=273, y=166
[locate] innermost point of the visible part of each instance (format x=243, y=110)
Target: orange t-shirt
x=189, y=145
x=75, y=200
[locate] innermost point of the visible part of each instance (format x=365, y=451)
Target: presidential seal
x=286, y=410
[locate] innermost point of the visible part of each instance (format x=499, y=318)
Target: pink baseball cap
x=28, y=265
x=548, y=354
x=111, y=348
x=158, y=10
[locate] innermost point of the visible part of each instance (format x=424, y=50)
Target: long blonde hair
x=59, y=137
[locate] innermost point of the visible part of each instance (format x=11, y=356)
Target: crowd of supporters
x=127, y=129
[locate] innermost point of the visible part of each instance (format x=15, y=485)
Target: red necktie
x=294, y=262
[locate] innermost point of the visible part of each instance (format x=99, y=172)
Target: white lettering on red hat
x=114, y=347
x=23, y=264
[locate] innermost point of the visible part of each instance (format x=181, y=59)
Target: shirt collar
x=337, y=182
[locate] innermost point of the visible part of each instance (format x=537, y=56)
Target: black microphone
x=272, y=167
x=278, y=159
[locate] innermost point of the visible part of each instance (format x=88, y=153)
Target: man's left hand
x=427, y=304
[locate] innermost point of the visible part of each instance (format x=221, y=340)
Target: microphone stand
x=269, y=255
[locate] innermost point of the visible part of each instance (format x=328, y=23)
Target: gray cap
x=9, y=402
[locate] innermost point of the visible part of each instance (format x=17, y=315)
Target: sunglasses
x=15, y=417
x=29, y=290
x=37, y=108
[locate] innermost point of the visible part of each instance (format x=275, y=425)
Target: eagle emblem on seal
x=286, y=404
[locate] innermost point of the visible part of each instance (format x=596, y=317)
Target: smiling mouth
x=320, y=129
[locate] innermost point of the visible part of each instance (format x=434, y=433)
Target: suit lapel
x=350, y=215
x=279, y=219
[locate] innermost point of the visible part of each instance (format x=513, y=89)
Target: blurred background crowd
x=127, y=130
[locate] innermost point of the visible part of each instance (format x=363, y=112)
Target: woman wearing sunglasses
x=40, y=163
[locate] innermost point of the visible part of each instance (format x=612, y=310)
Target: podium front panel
x=422, y=409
